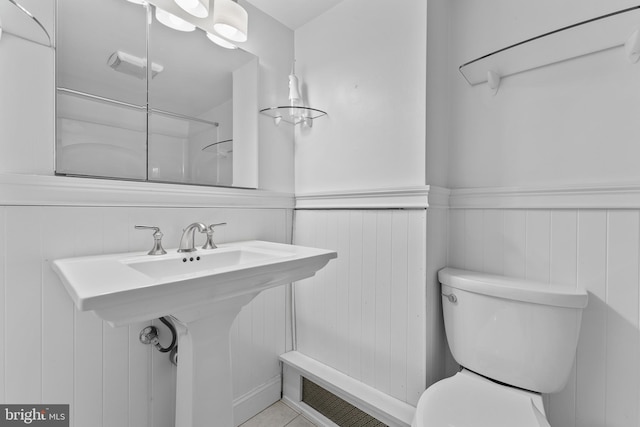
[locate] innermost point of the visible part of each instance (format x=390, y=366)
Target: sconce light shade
x=197, y=8
x=172, y=21
x=294, y=92
x=230, y=20
x=220, y=41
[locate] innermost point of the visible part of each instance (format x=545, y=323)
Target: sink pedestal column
x=204, y=392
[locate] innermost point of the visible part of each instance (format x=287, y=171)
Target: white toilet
x=514, y=339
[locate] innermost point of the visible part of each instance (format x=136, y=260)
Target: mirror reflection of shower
x=140, y=103
x=219, y=157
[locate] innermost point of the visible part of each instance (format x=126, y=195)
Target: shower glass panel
x=176, y=151
x=97, y=137
x=191, y=106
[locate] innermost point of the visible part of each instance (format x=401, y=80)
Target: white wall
x=438, y=96
x=272, y=42
x=569, y=123
x=365, y=64
x=28, y=99
x=245, y=126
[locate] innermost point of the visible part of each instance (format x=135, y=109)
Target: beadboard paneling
x=52, y=353
x=365, y=314
x=594, y=249
x=3, y=319
x=591, y=275
x=438, y=355
x=23, y=307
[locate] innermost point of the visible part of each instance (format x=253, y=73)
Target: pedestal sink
x=203, y=291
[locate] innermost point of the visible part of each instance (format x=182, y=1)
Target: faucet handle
x=157, y=239
x=210, y=244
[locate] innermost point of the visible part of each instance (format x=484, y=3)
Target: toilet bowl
x=468, y=399
x=514, y=339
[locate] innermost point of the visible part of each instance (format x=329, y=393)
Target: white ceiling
x=294, y=13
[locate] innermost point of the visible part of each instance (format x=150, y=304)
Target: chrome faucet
x=187, y=243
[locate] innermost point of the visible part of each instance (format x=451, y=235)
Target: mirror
x=184, y=119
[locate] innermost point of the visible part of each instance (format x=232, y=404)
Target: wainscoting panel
x=365, y=314
x=598, y=250
x=51, y=353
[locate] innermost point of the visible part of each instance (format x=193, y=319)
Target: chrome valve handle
x=210, y=244
x=157, y=239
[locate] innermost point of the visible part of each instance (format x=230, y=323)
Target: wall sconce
x=197, y=8
x=220, y=41
x=230, y=20
x=228, y=25
x=294, y=113
x=173, y=21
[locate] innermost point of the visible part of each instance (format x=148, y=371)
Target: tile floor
x=278, y=415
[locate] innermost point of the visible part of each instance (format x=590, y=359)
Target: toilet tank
x=518, y=332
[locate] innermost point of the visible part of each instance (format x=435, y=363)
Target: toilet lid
x=469, y=400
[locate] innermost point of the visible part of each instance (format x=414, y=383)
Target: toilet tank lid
x=514, y=289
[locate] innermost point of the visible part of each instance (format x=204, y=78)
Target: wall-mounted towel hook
x=34, y=19
x=632, y=47
x=493, y=81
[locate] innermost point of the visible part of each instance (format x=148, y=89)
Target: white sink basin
x=183, y=266
x=132, y=287
x=203, y=291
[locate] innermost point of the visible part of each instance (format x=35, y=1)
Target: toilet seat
x=470, y=400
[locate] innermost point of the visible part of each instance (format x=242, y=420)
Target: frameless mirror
x=179, y=120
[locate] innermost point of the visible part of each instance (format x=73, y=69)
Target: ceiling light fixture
x=197, y=8
x=172, y=21
x=230, y=20
x=132, y=65
x=220, y=41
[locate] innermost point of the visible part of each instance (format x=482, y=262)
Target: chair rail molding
x=418, y=197
x=43, y=190
x=592, y=196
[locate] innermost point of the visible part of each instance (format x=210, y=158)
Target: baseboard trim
x=385, y=408
x=256, y=400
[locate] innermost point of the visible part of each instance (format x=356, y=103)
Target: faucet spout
x=187, y=242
